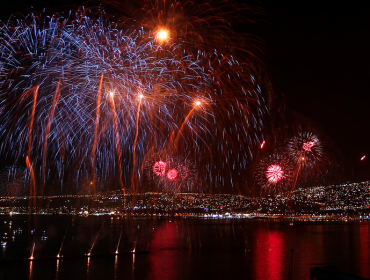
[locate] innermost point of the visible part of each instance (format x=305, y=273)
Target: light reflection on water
x=57, y=270
x=269, y=249
x=365, y=250
x=181, y=248
x=30, y=271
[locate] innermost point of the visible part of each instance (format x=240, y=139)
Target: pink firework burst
x=159, y=168
x=305, y=150
x=172, y=174
x=274, y=173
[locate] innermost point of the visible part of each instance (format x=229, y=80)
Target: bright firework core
x=162, y=35
x=172, y=174
x=274, y=173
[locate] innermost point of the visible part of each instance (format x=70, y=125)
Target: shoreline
x=227, y=216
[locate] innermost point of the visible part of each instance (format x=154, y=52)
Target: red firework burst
x=172, y=174
x=159, y=168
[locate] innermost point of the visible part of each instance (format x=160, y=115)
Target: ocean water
x=178, y=248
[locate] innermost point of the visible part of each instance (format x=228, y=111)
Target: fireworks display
x=172, y=173
x=81, y=94
x=300, y=159
x=305, y=149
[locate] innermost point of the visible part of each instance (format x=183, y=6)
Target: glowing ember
x=308, y=145
x=159, y=168
x=274, y=173
x=363, y=157
x=263, y=144
x=172, y=174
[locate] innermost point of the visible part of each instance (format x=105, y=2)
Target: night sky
x=318, y=60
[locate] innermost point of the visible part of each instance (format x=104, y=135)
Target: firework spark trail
x=32, y=202
x=119, y=241
x=133, y=184
x=33, y=251
x=32, y=119
x=118, y=147
x=61, y=245
x=47, y=132
x=173, y=143
x=96, y=238
x=93, y=153
x=295, y=177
